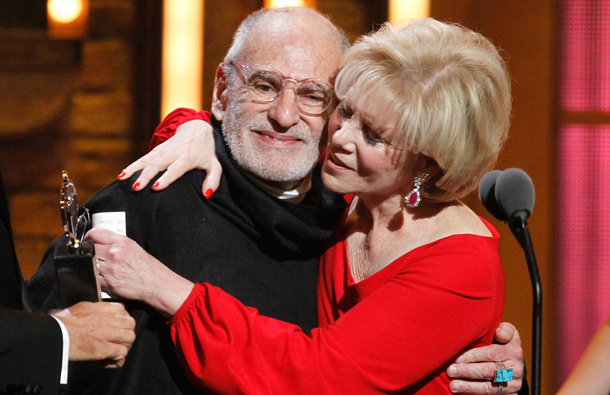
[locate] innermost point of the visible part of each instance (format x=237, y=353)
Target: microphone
x=509, y=196
x=487, y=194
x=515, y=194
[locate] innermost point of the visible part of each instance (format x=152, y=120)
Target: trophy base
x=76, y=274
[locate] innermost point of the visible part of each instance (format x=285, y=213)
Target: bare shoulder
x=460, y=219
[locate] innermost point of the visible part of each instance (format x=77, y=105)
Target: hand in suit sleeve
x=31, y=344
x=30, y=352
x=98, y=331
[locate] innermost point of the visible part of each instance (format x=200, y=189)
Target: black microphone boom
x=510, y=196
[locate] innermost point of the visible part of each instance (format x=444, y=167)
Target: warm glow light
x=400, y=10
x=67, y=19
x=290, y=3
x=182, y=59
x=64, y=11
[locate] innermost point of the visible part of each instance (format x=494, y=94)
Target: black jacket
x=260, y=249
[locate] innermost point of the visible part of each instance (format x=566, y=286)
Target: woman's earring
x=414, y=197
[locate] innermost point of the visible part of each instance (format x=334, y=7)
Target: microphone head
x=487, y=194
x=515, y=193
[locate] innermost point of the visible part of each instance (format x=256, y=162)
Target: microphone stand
x=518, y=225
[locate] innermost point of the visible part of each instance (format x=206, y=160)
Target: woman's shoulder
x=455, y=224
x=468, y=264
x=461, y=240
x=460, y=219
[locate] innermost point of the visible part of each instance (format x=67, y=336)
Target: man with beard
x=260, y=235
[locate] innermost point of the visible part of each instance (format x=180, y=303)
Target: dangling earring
x=414, y=197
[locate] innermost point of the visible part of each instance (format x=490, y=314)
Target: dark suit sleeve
x=10, y=274
x=30, y=352
x=30, y=344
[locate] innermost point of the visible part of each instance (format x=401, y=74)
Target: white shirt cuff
x=63, y=377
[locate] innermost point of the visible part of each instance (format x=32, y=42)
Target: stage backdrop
x=583, y=204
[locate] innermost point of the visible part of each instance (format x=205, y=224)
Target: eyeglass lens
x=267, y=84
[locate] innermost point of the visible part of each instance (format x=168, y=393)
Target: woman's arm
x=396, y=337
x=191, y=148
x=393, y=339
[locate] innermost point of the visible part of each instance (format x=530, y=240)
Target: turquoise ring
x=503, y=374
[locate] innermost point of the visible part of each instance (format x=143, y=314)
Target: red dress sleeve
x=433, y=303
x=167, y=127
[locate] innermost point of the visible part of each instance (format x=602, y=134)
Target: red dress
x=394, y=332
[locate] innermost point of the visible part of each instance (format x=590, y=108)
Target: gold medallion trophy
x=76, y=273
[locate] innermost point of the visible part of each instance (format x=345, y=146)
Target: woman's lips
x=335, y=163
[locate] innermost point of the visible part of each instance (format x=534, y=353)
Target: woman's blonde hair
x=445, y=89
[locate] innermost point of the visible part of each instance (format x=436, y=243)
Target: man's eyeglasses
x=265, y=84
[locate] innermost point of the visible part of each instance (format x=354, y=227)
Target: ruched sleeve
x=167, y=127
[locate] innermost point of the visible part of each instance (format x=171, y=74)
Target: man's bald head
x=291, y=19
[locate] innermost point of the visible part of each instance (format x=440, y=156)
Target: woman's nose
x=343, y=134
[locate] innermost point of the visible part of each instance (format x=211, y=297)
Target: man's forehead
x=294, y=55
x=292, y=62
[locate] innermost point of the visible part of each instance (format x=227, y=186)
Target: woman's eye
x=344, y=111
x=371, y=137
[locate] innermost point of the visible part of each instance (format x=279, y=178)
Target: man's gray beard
x=291, y=170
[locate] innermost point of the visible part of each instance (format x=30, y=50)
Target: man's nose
x=284, y=109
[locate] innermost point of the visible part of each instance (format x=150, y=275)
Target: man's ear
x=220, y=93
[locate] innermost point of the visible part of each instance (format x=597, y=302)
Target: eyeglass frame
x=246, y=71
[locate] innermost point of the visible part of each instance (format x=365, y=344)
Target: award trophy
x=76, y=273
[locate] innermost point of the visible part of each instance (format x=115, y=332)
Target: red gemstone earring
x=414, y=197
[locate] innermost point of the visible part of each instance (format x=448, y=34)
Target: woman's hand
x=127, y=271
x=192, y=147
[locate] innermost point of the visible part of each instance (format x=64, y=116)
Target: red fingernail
x=136, y=186
x=122, y=174
x=208, y=193
x=155, y=185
